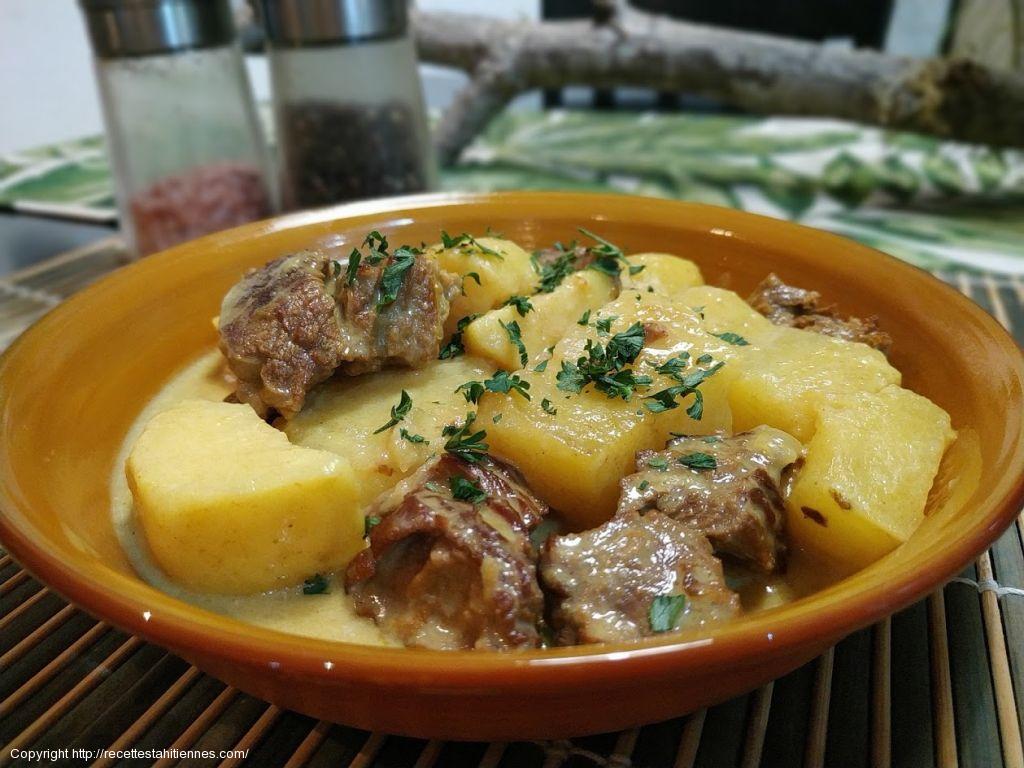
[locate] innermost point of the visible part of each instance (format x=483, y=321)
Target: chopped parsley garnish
x=584, y=318
x=604, y=325
x=454, y=346
x=515, y=336
x=466, y=239
x=711, y=439
x=542, y=365
x=605, y=366
x=378, y=245
x=657, y=462
x=468, y=447
x=369, y=523
x=665, y=612
x=430, y=485
x=394, y=273
x=503, y=382
x=471, y=390
x=521, y=303
x=548, y=407
x=474, y=276
x=675, y=365
x=553, y=273
x=732, y=338
x=419, y=439
x=353, y=266
x=495, y=418
x=545, y=529
x=666, y=399
x=398, y=412
x=466, y=490
x=314, y=585
x=698, y=460
x=643, y=486
x=610, y=257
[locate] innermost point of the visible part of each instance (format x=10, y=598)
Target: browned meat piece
x=605, y=581
x=797, y=307
x=728, y=488
x=290, y=325
x=447, y=570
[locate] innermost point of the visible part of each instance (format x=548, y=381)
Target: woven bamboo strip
x=23, y=606
x=368, y=751
x=942, y=685
x=689, y=743
x=428, y=757
x=5, y=560
x=199, y=726
x=1006, y=708
x=309, y=745
x=881, y=695
x=817, y=729
x=13, y=582
x=36, y=636
x=757, y=725
x=44, y=675
x=252, y=737
x=150, y=716
x=69, y=699
x=493, y=754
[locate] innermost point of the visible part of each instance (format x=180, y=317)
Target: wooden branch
x=952, y=98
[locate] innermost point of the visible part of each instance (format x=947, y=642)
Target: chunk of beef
x=290, y=325
x=450, y=573
x=604, y=581
x=728, y=488
x=788, y=305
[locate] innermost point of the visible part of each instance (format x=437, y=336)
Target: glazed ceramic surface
x=72, y=385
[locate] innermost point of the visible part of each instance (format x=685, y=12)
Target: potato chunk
x=574, y=458
x=663, y=273
x=342, y=415
x=228, y=505
x=787, y=376
x=868, y=471
x=504, y=270
x=552, y=315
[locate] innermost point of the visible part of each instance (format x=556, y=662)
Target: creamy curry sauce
x=330, y=616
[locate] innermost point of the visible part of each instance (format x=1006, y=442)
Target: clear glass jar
x=184, y=140
x=348, y=104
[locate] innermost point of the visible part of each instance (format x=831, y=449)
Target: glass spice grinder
x=348, y=103
x=185, y=145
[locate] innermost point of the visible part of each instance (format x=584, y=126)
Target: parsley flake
x=698, y=460
x=548, y=407
x=353, y=266
x=418, y=439
x=466, y=490
x=658, y=462
x=665, y=611
x=315, y=585
x=454, y=347
x=732, y=338
x=504, y=382
x=468, y=447
x=521, y=303
x=369, y=523
x=584, y=318
x=394, y=274
x=398, y=412
x=515, y=336
x=471, y=390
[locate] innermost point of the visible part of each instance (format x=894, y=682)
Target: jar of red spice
x=185, y=144
x=348, y=103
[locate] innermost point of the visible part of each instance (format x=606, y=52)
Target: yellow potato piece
x=663, y=273
x=575, y=458
x=553, y=314
x=788, y=375
x=229, y=506
x=342, y=415
x=501, y=276
x=868, y=471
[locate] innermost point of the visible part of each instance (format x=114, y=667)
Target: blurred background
x=63, y=168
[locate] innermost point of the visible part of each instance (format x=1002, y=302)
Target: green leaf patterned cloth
x=940, y=205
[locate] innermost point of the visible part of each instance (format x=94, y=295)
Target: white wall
x=47, y=91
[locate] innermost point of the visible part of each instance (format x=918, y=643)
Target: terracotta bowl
x=71, y=386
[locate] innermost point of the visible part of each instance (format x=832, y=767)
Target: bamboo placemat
x=933, y=685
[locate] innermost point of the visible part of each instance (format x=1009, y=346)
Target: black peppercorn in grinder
x=348, y=104
x=185, y=145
